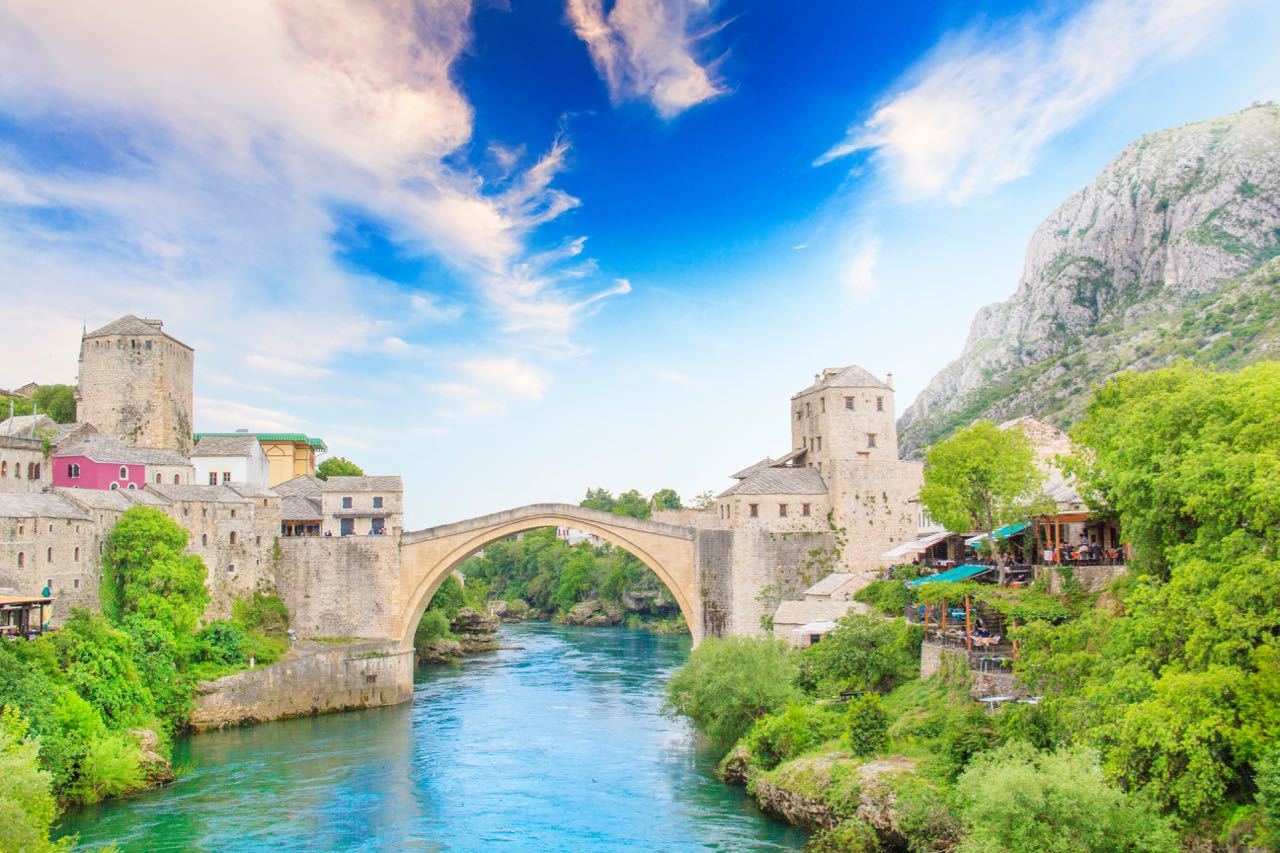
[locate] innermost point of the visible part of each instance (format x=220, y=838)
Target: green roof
x=959, y=573
x=317, y=443
x=1001, y=534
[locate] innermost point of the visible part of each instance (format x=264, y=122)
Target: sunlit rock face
x=1183, y=224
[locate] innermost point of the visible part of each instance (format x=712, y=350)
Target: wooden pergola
x=22, y=615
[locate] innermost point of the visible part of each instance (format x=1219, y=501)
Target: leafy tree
x=601, y=499
x=145, y=571
x=261, y=611
x=781, y=737
x=728, y=683
x=1023, y=801
x=704, y=500
x=632, y=503
x=56, y=401
x=864, y=652
x=666, y=499
x=27, y=805
x=981, y=478
x=97, y=661
x=577, y=579
x=338, y=466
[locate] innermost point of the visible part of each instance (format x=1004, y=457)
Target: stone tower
x=135, y=382
x=846, y=414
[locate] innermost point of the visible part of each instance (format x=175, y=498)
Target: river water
x=561, y=745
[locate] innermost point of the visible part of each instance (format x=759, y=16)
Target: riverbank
x=561, y=744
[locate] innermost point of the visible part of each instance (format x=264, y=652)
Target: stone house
x=362, y=506
x=105, y=462
x=23, y=467
x=223, y=459
x=798, y=622
x=48, y=541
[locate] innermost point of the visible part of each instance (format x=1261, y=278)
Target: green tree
x=56, y=401
x=981, y=478
x=146, y=572
x=667, y=499
x=728, y=683
x=577, y=579
x=1019, y=800
x=704, y=500
x=868, y=725
x=27, y=805
x=338, y=466
x=601, y=499
x=864, y=652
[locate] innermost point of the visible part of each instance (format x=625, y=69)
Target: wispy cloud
x=285, y=367
x=859, y=273
x=211, y=147
x=977, y=112
x=673, y=377
x=648, y=49
x=216, y=415
x=508, y=376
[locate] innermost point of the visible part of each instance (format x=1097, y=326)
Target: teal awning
x=959, y=573
x=1003, y=533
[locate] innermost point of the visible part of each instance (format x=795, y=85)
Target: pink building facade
x=81, y=472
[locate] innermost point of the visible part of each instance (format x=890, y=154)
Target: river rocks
x=156, y=769
x=475, y=631
x=512, y=611
x=439, y=651
x=735, y=768
x=593, y=614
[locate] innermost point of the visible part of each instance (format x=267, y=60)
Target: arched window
x=77, y=554
x=113, y=486
x=124, y=473
x=22, y=559
x=133, y=486
x=4, y=468
x=176, y=480
x=49, y=556
x=158, y=475
x=233, y=537
x=204, y=538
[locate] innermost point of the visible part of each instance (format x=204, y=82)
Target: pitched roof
x=298, y=508
x=303, y=484
x=21, y=425
x=211, y=494
x=42, y=504
x=251, y=490
x=317, y=443
x=112, y=499
x=144, y=497
x=132, y=325
x=852, y=376
x=829, y=584
x=390, y=483
x=224, y=445
x=803, y=612
x=746, y=472
x=108, y=448
x=780, y=481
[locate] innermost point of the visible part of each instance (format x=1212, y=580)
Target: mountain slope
x=1170, y=253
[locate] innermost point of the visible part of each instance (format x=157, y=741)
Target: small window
x=257, y=540
x=755, y=510
x=226, y=476
x=204, y=512
x=371, y=678
x=879, y=404
x=871, y=439
x=377, y=503
x=346, y=503
x=807, y=412
x=204, y=538
x=848, y=403
x=76, y=583
x=124, y=473
x=782, y=510
x=822, y=401
x=176, y=479
x=22, y=559
x=159, y=478
x=49, y=556
x=77, y=554
x=113, y=486
x=213, y=478
x=797, y=414
x=231, y=569
x=817, y=443
x=804, y=510
x=148, y=345
x=4, y=469
x=233, y=537
x=233, y=513
x=133, y=486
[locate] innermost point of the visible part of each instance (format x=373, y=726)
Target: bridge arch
x=428, y=556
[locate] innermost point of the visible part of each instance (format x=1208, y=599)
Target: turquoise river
x=559, y=745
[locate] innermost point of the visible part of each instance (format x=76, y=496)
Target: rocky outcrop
x=156, y=768
x=594, y=614
x=475, y=631
x=1165, y=255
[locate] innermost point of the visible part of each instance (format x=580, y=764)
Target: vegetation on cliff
x=99, y=700
x=1158, y=719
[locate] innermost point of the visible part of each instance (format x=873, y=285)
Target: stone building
x=222, y=459
x=105, y=462
x=135, y=382
x=23, y=467
x=47, y=540
x=289, y=454
x=345, y=506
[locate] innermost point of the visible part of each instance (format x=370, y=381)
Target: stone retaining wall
x=311, y=679
x=934, y=656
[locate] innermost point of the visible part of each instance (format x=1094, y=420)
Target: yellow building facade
x=289, y=454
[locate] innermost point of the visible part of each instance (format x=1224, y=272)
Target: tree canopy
x=338, y=466
x=145, y=571
x=56, y=401
x=981, y=478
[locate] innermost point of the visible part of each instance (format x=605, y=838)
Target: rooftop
x=389, y=483
x=844, y=377
x=210, y=494
x=42, y=425
x=303, y=484
x=108, y=448
x=779, y=481
x=317, y=443
x=804, y=612
x=298, y=508
x=224, y=445
x=132, y=325
x=829, y=584
x=38, y=504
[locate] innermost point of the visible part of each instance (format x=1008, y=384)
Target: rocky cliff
x=1172, y=252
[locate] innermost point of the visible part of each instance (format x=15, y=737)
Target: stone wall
x=875, y=502
x=935, y=657
x=137, y=388
x=713, y=576
x=340, y=586
x=769, y=566
x=1090, y=578
x=19, y=455
x=60, y=552
x=312, y=679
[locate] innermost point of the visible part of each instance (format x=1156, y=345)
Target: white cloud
x=673, y=377
x=508, y=376
x=859, y=273
x=285, y=367
x=977, y=112
x=646, y=49
x=225, y=415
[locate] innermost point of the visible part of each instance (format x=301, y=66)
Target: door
x=348, y=526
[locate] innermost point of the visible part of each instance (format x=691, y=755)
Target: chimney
x=888, y=379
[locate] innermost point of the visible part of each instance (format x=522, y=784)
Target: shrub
x=27, y=806
x=262, y=612
x=449, y=598
x=112, y=766
x=864, y=652
x=890, y=597
x=146, y=571
x=781, y=737
x=729, y=682
x=848, y=836
x=868, y=725
x=1267, y=778
x=434, y=626
x=1023, y=801
x=97, y=661
x=222, y=643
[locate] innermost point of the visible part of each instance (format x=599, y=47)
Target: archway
x=429, y=556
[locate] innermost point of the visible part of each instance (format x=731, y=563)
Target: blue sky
x=513, y=250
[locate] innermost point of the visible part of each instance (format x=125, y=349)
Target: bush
x=434, y=626
x=1023, y=801
x=1267, y=778
x=27, y=806
x=868, y=725
x=97, y=661
x=146, y=571
x=449, y=598
x=864, y=652
x=262, y=612
x=112, y=766
x=890, y=597
x=222, y=643
x=781, y=737
x=728, y=683
x=848, y=836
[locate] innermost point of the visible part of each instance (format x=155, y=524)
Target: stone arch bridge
x=428, y=556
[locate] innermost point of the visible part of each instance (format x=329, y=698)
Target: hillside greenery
x=1158, y=718
x=56, y=401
